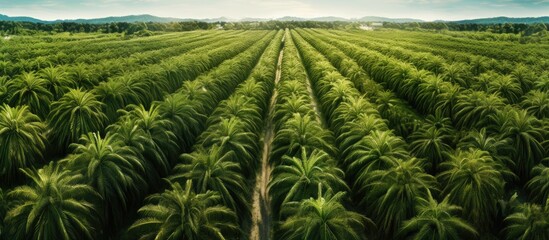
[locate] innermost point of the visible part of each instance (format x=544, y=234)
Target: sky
x=236, y=9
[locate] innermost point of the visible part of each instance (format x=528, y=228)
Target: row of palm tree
x=307, y=188
x=389, y=185
x=214, y=202
x=510, y=85
x=493, y=149
x=468, y=109
x=102, y=54
x=116, y=166
x=80, y=112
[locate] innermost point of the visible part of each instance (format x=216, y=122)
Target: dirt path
x=261, y=215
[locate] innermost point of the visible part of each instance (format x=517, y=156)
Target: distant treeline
x=145, y=28
x=512, y=28
x=24, y=28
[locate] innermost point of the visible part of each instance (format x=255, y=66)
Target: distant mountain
x=496, y=20
x=19, y=19
x=330, y=19
x=383, y=19
x=130, y=18
x=151, y=18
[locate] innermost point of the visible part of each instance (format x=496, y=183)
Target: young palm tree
x=81, y=77
x=379, y=150
x=524, y=76
x=437, y=221
x=213, y=169
x=323, y=218
x=58, y=82
x=539, y=184
x=391, y=195
x=299, y=132
x=499, y=148
x=181, y=213
x=113, y=170
x=29, y=89
x=537, y=103
x=5, y=94
x=187, y=121
x=472, y=181
x=353, y=132
x=22, y=139
x=231, y=135
x=77, y=112
x=475, y=109
x=298, y=178
x=457, y=73
x=158, y=129
x=529, y=221
x=431, y=143
x=527, y=135
x=56, y=205
x=506, y=87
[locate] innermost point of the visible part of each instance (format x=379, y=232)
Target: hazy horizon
x=427, y=10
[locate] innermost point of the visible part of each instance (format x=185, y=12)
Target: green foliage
x=216, y=170
x=76, y=113
x=323, y=218
x=22, y=140
x=529, y=221
x=471, y=180
x=112, y=169
x=437, y=221
x=182, y=213
x=392, y=195
x=300, y=178
x=56, y=205
x=28, y=89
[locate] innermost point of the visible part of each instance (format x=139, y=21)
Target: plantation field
x=280, y=134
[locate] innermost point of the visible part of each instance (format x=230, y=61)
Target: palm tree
x=182, y=213
x=457, y=73
x=77, y=112
x=323, y=218
x=58, y=81
x=298, y=132
x=524, y=76
x=213, y=169
x=500, y=149
x=353, y=132
x=391, y=195
x=537, y=103
x=56, y=205
x=529, y=221
x=231, y=135
x=472, y=181
x=81, y=77
x=379, y=150
x=187, y=121
x=298, y=178
x=475, y=109
x=241, y=107
x=290, y=105
x=506, y=87
x=22, y=139
x=527, y=135
x=437, y=221
x=112, y=169
x=28, y=89
x=158, y=129
x=431, y=143
x=539, y=184
x=5, y=94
